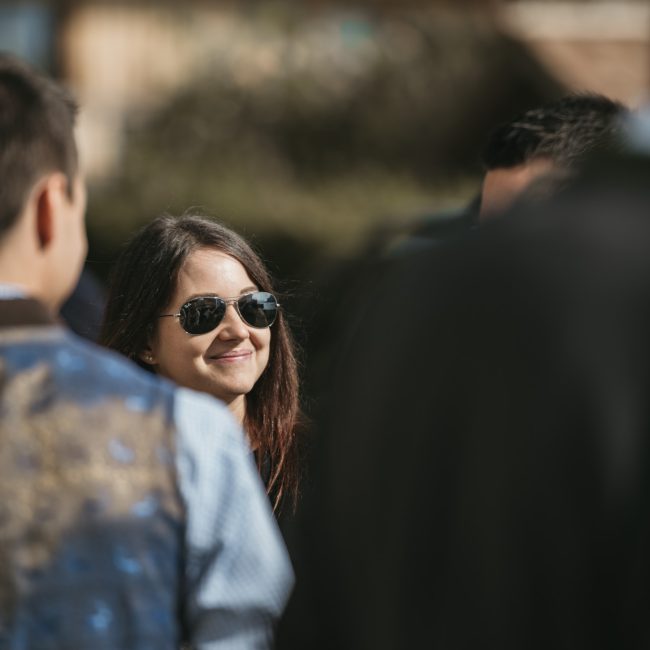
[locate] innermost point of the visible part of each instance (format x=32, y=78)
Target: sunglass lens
x=258, y=309
x=202, y=315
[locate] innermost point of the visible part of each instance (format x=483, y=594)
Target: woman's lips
x=232, y=357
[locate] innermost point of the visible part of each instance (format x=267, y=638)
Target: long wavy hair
x=142, y=284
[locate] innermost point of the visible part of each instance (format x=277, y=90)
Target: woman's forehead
x=212, y=271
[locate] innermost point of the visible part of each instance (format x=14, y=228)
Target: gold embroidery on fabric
x=61, y=458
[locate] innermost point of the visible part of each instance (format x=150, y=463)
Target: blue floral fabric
x=131, y=516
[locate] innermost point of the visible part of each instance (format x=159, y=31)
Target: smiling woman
x=225, y=355
x=190, y=300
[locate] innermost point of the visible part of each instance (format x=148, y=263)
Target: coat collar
x=24, y=312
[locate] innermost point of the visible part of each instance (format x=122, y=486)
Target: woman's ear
x=147, y=356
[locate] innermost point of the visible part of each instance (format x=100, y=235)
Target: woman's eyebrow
x=206, y=294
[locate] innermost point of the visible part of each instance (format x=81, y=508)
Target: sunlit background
x=308, y=125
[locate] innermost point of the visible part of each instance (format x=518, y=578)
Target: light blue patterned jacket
x=131, y=516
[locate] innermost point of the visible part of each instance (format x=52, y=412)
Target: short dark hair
x=565, y=131
x=37, y=118
x=142, y=284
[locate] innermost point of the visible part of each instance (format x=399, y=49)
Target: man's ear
x=50, y=194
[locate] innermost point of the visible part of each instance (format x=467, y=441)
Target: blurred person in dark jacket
x=482, y=475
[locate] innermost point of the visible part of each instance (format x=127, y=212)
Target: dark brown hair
x=36, y=135
x=566, y=131
x=142, y=284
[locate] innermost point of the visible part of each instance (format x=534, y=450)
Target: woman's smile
x=234, y=356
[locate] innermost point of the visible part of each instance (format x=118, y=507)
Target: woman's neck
x=238, y=408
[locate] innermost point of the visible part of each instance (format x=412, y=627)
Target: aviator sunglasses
x=200, y=315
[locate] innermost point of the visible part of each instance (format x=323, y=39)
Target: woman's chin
x=232, y=395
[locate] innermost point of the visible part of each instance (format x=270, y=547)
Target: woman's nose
x=232, y=326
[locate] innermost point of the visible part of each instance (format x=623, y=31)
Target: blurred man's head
x=550, y=141
x=42, y=196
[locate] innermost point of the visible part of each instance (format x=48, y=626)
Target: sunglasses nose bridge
x=235, y=305
x=238, y=320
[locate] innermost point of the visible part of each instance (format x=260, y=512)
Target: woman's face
x=225, y=362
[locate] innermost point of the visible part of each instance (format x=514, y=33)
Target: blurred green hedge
x=355, y=121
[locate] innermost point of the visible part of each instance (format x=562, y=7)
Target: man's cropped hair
x=37, y=119
x=565, y=132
